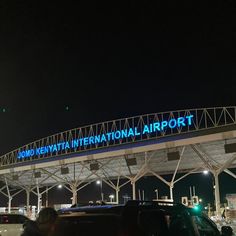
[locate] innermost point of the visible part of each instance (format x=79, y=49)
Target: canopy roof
x=189, y=141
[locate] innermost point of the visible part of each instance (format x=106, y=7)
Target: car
x=11, y=224
x=137, y=218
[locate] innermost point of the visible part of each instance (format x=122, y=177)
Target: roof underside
x=194, y=157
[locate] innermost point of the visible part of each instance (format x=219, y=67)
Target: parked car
x=136, y=218
x=11, y=224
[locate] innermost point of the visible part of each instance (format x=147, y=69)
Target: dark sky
x=107, y=60
x=63, y=65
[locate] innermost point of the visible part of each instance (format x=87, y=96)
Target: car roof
x=91, y=209
x=133, y=204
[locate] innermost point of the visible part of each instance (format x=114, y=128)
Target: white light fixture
x=59, y=186
x=111, y=197
x=98, y=182
x=156, y=191
x=205, y=172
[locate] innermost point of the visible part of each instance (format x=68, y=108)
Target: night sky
x=64, y=65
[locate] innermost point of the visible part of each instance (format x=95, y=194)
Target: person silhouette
x=44, y=224
x=46, y=220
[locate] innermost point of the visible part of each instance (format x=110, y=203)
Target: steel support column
x=46, y=201
x=74, y=194
x=102, y=195
x=133, y=190
x=117, y=195
x=9, y=204
x=39, y=202
x=217, y=194
x=28, y=202
x=171, y=192
x=9, y=196
x=39, y=195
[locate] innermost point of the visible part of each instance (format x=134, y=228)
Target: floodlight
x=59, y=186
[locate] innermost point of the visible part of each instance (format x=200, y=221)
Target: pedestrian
x=44, y=224
x=223, y=214
x=30, y=228
x=46, y=220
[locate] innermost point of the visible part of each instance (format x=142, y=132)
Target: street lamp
x=59, y=186
x=156, y=191
x=111, y=197
x=99, y=182
x=209, y=173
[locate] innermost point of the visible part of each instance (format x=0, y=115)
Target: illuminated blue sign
x=108, y=136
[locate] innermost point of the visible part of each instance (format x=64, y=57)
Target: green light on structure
x=197, y=208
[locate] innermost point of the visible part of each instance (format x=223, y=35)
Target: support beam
x=117, y=195
x=175, y=172
x=142, y=171
x=74, y=194
x=39, y=202
x=28, y=202
x=204, y=157
x=9, y=196
x=39, y=195
x=171, y=192
x=13, y=195
x=83, y=186
x=9, y=204
x=185, y=175
x=227, y=164
x=230, y=173
x=122, y=185
x=3, y=192
x=46, y=202
x=217, y=194
x=160, y=178
x=49, y=176
x=53, y=176
x=133, y=190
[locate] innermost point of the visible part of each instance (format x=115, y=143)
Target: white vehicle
x=11, y=224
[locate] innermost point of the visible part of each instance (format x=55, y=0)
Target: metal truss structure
x=200, y=147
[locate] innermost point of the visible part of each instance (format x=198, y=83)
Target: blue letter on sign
x=172, y=123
